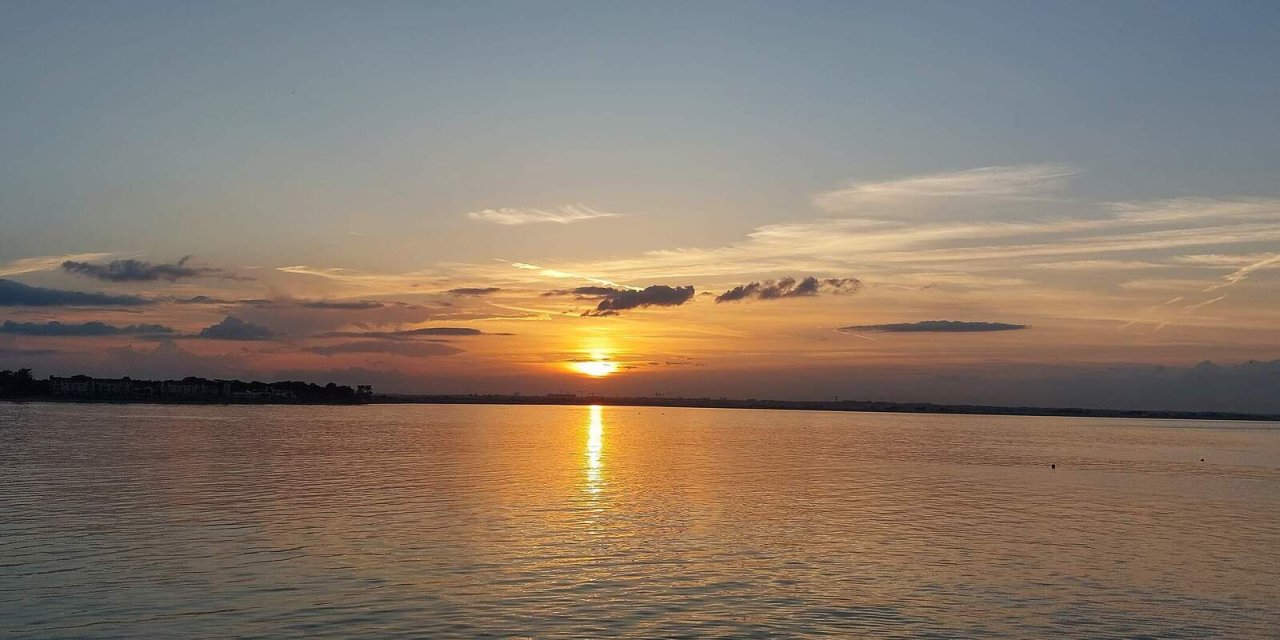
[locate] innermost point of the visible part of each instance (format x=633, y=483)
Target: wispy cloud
x=1001, y=182
x=560, y=215
x=409, y=334
x=1243, y=273
x=1099, y=265
x=935, y=326
x=1206, y=303
x=555, y=273
x=403, y=349
x=47, y=263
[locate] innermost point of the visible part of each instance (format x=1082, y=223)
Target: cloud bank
x=357, y=305
x=935, y=326
x=473, y=291
x=405, y=349
x=92, y=328
x=16, y=294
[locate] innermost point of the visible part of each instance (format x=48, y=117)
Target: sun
x=594, y=368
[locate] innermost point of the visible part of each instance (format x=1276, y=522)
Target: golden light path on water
x=595, y=445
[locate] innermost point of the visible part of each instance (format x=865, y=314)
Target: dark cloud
x=130, y=270
x=410, y=334
x=16, y=294
x=233, y=328
x=585, y=292
x=405, y=349
x=658, y=295
x=935, y=326
x=473, y=291
x=92, y=328
x=359, y=305
x=201, y=300
x=790, y=288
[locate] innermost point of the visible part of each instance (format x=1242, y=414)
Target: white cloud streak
x=1001, y=182
x=48, y=263
x=566, y=214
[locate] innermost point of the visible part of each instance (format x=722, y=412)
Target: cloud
x=658, y=295
x=299, y=318
x=203, y=299
x=790, y=288
x=405, y=349
x=92, y=328
x=358, y=305
x=233, y=328
x=409, y=334
x=935, y=326
x=1243, y=273
x=1003, y=182
x=16, y=294
x=1098, y=265
x=560, y=215
x=130, y=270
x=46, y=263
x=585, y=292
x=473, y=291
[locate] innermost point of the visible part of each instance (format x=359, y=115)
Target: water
x=139, y=521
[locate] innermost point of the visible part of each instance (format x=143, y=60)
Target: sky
x=1055, y=203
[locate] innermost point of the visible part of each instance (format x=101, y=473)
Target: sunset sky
x=1071, y=203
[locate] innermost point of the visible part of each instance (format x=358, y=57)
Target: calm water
x=490, y=521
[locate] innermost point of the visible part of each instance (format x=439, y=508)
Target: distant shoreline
x=863, y=406
x=821, y=405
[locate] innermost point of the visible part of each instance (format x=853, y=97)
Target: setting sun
x=595, y=368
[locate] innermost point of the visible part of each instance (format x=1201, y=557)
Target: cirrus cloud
x=560, y=215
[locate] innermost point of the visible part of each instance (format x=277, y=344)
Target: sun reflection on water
x=595, y=445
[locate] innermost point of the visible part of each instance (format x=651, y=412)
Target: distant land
x=22, y=386
x=815, y=405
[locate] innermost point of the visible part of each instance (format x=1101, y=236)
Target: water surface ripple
x=135, y=521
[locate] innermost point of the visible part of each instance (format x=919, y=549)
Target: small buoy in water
x=1053, y=466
